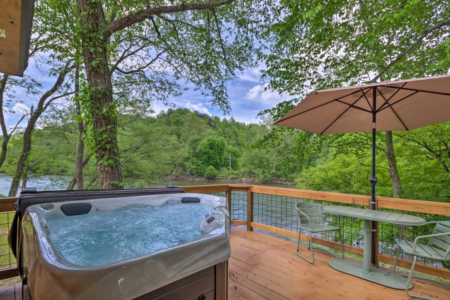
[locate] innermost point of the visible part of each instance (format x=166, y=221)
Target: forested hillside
x=176, y=143
x=181, y=144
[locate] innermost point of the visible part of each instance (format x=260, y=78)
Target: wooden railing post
x=249, y=209
x=228, y=195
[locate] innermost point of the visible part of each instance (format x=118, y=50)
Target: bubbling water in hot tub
x=107, y=237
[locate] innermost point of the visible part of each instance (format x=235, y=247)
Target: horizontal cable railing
x=272, y=209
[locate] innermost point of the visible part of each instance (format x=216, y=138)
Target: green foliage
x=210, y=172
x=174, y=143
x=211, y=151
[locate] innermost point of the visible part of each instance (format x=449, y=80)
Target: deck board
x=271, y=262
x=266, y=267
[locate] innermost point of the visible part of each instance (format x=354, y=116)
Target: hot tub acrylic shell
x=50, y=276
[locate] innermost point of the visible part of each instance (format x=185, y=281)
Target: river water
x=55, y=182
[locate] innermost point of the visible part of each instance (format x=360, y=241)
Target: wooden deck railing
x=426, y=207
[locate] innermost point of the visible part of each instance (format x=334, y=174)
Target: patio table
x=365, y=270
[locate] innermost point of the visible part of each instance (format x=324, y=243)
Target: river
x=55, y=182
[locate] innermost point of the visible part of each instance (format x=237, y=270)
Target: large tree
x=136, y=51
x=322, y=44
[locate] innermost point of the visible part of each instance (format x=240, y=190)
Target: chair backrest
x=442, y=242
x=313, y=210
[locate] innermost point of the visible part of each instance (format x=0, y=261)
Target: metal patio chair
x=437, y=248
x=311, y=219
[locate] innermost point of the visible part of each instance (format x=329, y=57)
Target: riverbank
x=230, y=179
x=56, y=182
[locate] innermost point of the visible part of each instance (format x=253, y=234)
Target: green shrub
x=211, y=172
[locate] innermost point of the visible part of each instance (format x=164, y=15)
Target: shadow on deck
x=266, y=267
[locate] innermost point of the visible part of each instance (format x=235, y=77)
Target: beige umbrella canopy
x=400, y=105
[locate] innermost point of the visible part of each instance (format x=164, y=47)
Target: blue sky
x=246, y=95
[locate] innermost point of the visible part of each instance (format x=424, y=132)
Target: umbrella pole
x=373, y=178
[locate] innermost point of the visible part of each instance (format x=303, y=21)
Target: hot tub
x=138, y=246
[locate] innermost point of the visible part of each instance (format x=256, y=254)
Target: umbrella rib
x=367, y=100
x=386, y=101
x=344, y=112
x=399, y=100
x=415, y=90
x=302, y=112
x=354, y=106
x=392, y=96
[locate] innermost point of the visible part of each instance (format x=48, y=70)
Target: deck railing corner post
x=249, y=209
x=229, y=198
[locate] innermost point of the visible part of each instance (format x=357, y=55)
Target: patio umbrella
x=381, y=106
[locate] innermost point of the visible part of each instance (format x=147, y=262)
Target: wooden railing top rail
x=6, y=204
x=429, y=207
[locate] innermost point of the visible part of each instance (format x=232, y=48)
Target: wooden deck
x=266, y=267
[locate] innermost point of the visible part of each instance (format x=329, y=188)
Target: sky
x=246, y=95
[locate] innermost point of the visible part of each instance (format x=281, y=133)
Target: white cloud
x=198, y=107
x=257, y=93
x=21, y=108
x=254, y=93
x=251, y=75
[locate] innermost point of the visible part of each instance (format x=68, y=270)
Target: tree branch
x=57, y=97
x=123, y=56
x=2, y=92
x=17, y=125
x=148, y=12
x=407, y=50
x=140, y=68
x=221, y=42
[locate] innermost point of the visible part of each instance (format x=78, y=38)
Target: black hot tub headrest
x=31, y=196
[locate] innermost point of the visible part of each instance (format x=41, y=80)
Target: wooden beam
x=314, y=195
x=239, y=188
x=420, y=267
x=8, y=273
x=6, y=204
x=15, y=31
x=228, y=195
x=428, y=207
x=249, y=209
x=235, y=222
x=205, y=188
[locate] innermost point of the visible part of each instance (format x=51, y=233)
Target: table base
x=376, y=275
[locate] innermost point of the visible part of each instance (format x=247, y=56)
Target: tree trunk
x=34, y=116
x=3, y=122
x=393, y=170
x=102, y=106
x=25, y=178
x=80, y=148
x=74, y=179
x=21, y=164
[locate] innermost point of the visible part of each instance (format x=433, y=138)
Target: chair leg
x=310, y=246
x=333, y=254
x=409, y=281
x=342, y=247
x=395, y=262
x=415, y=277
